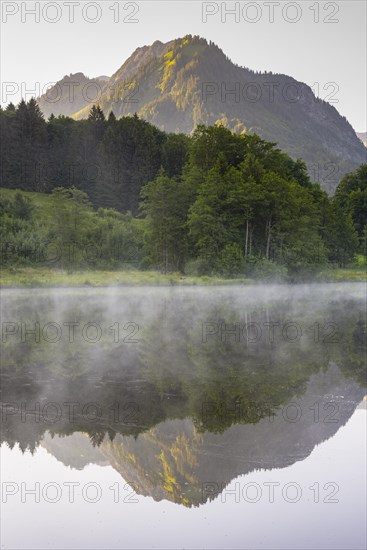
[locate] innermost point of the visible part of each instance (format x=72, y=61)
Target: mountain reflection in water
x=182, y=386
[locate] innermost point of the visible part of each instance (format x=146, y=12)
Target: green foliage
x=232, y=204
x=21, y=207
x=22, y=240
x=109, y=160
x=231, y=260
x=96, y=114
x=258, y=199
x=73, y=236
x=341, y=235
x=351, y=197
x=266, y=270
x=165, y=205
x=361, y=260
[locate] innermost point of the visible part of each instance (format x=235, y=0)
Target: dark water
x=184, y=418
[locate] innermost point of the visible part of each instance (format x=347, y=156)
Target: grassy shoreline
x=28, y=277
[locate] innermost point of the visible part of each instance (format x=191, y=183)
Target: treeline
x=214, y=202
x=244, y=206
x=110, y=160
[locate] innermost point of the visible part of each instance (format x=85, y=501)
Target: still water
x=229, y=417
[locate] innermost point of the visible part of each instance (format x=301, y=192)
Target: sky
x=321, y=43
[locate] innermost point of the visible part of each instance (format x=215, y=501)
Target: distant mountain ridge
x=188, y=81
x=72, y=92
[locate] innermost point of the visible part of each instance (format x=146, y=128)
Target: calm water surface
x=229, y=417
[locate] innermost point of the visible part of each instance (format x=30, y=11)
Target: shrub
x=231, y=261
x=22, y=207
x=267, y=270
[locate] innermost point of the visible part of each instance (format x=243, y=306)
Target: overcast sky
x=325, y=45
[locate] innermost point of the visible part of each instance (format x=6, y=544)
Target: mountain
x=188, y=81
x=71, y=93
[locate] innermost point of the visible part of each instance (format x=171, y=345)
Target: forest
x=108, y=193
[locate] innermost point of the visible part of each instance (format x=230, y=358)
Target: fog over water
x=230, y=411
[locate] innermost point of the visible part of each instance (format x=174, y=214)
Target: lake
x=171, y=417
